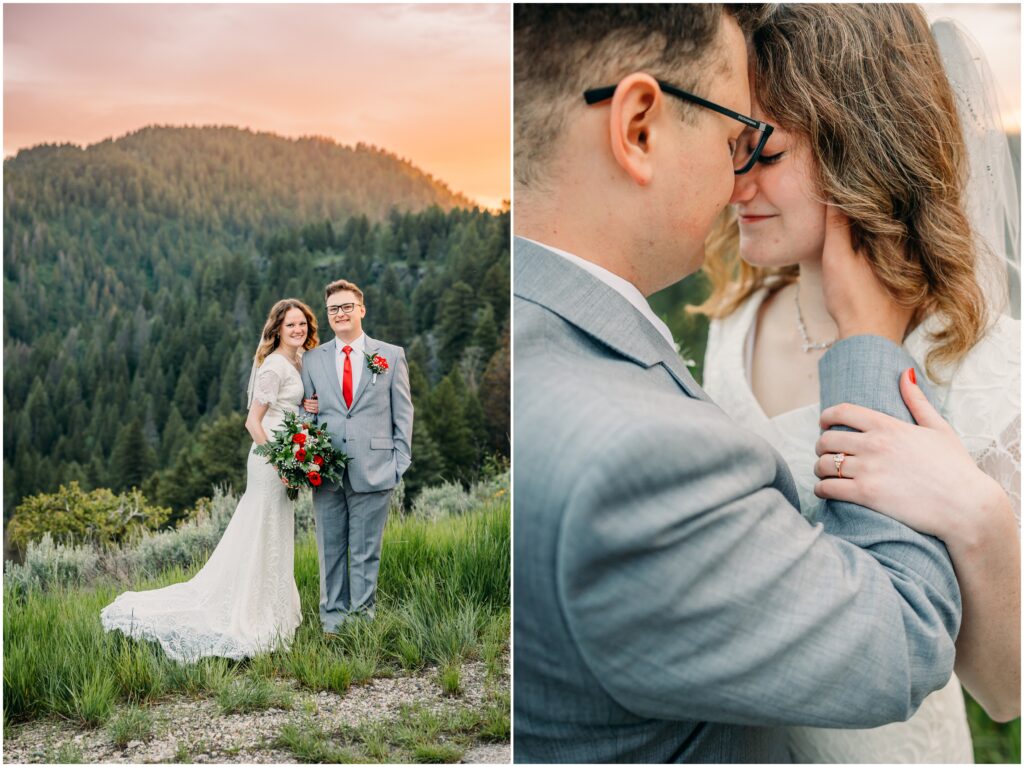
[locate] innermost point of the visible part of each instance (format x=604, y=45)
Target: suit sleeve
x=308, y=389
x=401, y=413
x=695, y=591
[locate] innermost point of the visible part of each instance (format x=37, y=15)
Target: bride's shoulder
x=271, y=362
x=982, y=391
x=276, y=363
x=1005, y=335
x=996, y=355
x=738, y=321
x=745, y=309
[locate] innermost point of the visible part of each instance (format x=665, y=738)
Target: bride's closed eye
x=769, y=159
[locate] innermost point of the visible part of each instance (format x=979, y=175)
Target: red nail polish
x=913, y=376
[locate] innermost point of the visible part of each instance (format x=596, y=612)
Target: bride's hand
x=311, y=405
x=920, y=475
x=857, y=301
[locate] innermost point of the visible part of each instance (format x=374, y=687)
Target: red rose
x=299, y=439
x=314, y=478
x=318, y=460
x=382, y=362
x=300, y=455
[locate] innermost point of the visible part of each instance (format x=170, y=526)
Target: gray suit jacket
x=671, y=604
x=376, y=433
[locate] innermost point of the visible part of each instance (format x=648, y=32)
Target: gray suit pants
x=349, y=533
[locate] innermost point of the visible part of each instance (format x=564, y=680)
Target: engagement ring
x=838, y=459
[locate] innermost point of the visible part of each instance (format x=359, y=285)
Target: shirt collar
x=357, y=346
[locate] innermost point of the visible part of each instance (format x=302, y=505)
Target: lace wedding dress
x=980, y=400
x=244, y=601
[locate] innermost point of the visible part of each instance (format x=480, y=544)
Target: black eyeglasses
x=750, y=143
x=346, y=308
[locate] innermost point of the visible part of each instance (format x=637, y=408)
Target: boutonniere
x=376, y=365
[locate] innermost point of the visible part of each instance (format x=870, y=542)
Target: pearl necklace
x=808, y=345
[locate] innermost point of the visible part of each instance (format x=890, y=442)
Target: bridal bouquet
x=303, y=455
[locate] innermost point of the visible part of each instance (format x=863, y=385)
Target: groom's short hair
x=560, y=50
x=339, y=285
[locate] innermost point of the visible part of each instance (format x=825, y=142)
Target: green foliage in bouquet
x=74, y=515
x=303, y=455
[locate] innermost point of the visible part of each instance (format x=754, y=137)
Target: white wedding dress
x=981, y=400
x=244, y=601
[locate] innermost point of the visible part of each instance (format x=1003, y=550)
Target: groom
x=361, y=387
x=671, y=604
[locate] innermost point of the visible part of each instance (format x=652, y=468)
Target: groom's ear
x=635, y=108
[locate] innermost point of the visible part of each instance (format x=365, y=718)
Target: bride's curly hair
x=270, y=339
x=865, y=86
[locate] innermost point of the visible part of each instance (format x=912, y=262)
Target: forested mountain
x=138, y=273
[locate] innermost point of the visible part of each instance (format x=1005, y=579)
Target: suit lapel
x=370, y=346
x=581, y=299
x=331, y=361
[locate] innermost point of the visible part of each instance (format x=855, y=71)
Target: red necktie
x=346, y=381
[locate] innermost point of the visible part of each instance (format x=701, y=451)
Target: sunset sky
x=428, y=82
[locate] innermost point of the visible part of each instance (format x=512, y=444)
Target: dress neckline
x=284, y=359
x=915, y=343
x=744, y=349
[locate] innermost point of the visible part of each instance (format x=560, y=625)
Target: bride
x=244, y=600
x=870, y=153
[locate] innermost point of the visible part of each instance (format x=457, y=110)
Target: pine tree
x=175, y=437
x=456, y=322
x=132, y=460
x=449, y=428
x=485, y=335
x=495, y=389
x=427, y=462
x=185, y=398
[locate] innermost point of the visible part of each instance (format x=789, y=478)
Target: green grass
x=443, y=598
x=417, y=734
x=68, y=753
x=450, y=679
x=251, y=693
x=181, y=754
x=310, y=744
x=131, y=724
x=437, y=753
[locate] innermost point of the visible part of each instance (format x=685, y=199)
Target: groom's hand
x=858, y=302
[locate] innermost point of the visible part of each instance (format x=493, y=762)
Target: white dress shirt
x=623, y=287
x=357, y=359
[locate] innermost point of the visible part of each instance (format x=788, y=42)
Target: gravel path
x=198, y=727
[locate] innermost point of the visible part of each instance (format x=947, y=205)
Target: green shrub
x=439, y=501
x=49, y=565
x=74, y=516
x=47, y=562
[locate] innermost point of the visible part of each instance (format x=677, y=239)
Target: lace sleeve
x=1001, y=461
x=267, y=385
